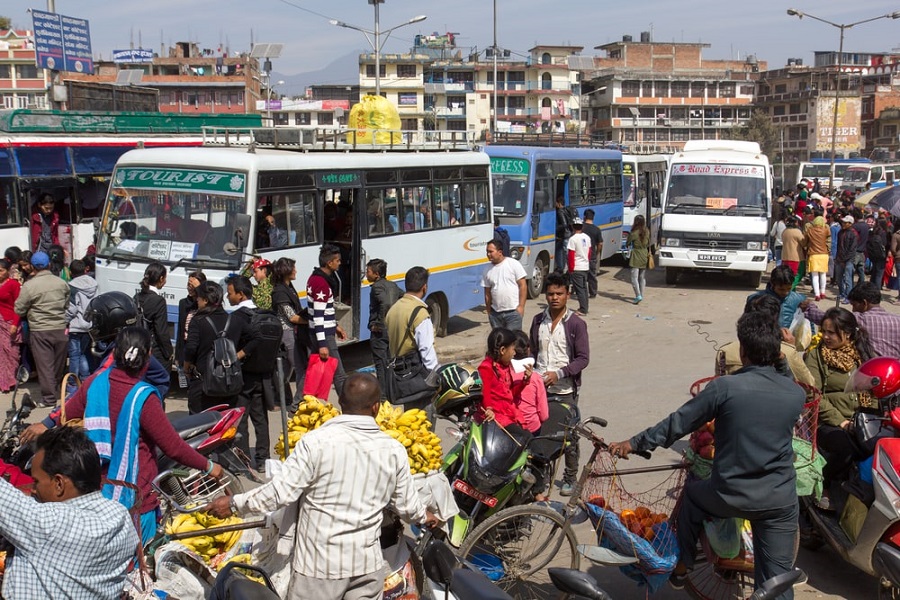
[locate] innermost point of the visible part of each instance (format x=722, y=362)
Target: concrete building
x=880, y=109
x=22, y=84
x=654, y=96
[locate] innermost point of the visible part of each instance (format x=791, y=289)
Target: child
x=500, y=393
x=533, y=397
x=82, y=289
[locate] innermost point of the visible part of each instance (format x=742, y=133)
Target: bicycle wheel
x=515, y=546
x=711, y=582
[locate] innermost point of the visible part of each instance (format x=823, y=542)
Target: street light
x=375, y=41
x=842, y=26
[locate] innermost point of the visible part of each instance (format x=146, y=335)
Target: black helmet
x=458, y=387
x=108, y=313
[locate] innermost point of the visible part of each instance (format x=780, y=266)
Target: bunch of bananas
x=206, y=546
x=412, y=429
x=311, y=413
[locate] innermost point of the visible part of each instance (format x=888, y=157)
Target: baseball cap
x=40, y=260
x=816, y=196
x=259, y=263
x=848, y=219
x=577, y=221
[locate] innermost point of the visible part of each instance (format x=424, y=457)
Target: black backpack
x=266, y=327
x=222, y=376
x=876, y=248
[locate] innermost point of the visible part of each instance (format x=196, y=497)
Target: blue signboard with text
x=62, y=43
x=134, y=55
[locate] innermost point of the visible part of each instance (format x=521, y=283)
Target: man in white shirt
x=504, y=289
x=345, y=473
x=579, y=248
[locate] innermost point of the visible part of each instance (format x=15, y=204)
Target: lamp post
x=837, y=77
x=376, y=41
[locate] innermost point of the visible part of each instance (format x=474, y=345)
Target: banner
x=62, y=43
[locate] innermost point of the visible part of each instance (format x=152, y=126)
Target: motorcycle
x=14, y=425
x=489, y=468
x=866, y=533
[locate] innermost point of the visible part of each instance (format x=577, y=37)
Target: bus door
x=342, y=212
x=543, y=208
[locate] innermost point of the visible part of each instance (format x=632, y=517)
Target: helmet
x=458, y=387
x=879, y=376
x=109, y=313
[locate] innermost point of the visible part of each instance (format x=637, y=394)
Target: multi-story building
x=22, y=84
x=654, y=96
x=880, y=109
x=401, y=79
x=323, y=106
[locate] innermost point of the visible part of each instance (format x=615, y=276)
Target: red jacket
x=500, y=394
x=37, y=225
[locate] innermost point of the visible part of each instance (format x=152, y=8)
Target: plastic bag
x=801, y=330
x=374, y=115
x=319, y=375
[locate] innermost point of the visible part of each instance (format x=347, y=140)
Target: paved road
x=643, y=361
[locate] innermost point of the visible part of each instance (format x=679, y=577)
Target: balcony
x=440, y=87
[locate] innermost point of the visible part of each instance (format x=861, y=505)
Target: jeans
x=638, y=281
x=79, y=346
x=777, y=254
x=846, y=284
x=510, y=319
x=775, y=531
x=592, y=277
x=381, y=355
x=561, y=259
x=859, y=268
x=579, y=287
x=877, y=276
x=570, y=474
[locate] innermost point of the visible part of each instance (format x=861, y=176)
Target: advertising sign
x=849, y=122
x=134, y=55
x=62, y=43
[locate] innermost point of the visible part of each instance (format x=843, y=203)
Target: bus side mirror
x=241, y=230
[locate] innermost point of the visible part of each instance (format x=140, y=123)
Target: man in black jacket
x=844, y=260
x=384, y=293
x=753, y=476
x=257, y=364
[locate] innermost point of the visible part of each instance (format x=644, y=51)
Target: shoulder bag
x=406, y=375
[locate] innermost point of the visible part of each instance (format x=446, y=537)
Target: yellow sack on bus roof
x=374, y=115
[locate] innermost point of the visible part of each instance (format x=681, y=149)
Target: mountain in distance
x=343, y=70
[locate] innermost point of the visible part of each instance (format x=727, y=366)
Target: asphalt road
x=643, y=361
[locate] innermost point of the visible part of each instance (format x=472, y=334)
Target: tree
x=762, y=130
x=5, y=23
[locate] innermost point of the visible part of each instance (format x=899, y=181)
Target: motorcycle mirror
x=455, y=432
x=27, y=402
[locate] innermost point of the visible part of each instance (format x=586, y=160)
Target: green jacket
x=43, y=302
x=836, y=405
x=640, y=251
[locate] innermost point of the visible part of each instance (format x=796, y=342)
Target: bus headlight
x=671, y=242
x=754, y=245
x=516, y=252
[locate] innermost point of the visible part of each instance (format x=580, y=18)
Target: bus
x=526, y=181
x=207, y=208
x=644, y=180
x=871, y=176
x=70, y=155
x=716, y=210
x=820, y=168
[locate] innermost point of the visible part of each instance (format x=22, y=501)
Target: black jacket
x=156, y=321
x=254, y=361
x=201, y=335
x=384, y=293
x=185, y=306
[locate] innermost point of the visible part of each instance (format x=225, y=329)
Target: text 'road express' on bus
x=526, y=182
x=206, y=208
x=716, y=210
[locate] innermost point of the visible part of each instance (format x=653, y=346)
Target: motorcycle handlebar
x=597, y=421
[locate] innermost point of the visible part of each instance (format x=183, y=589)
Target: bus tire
x=538, y=277
x=671, y=275
x=754, y=278
x=437, y=306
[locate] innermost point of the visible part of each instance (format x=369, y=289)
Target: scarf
x=845, y=359
x=119, y=455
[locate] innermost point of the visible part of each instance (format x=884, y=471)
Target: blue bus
x=526, y=181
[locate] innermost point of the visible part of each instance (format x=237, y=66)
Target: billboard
x=134, y=55
x=62, y=43
x=849, y=122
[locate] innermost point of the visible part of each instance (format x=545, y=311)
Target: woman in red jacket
x=9, y=328
x=501, y=395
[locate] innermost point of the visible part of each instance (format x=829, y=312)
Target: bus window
x=417, y=208
x=443, y=206
x=9, y=208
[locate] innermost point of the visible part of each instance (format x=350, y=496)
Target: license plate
x=468, y=490
x=712, y=257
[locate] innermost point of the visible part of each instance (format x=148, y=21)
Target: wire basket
x=188, y=489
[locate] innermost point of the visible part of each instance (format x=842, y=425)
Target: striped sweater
x=320, y=306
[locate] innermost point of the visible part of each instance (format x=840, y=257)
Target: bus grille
x=713, y=244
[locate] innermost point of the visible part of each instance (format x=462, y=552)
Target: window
x=281, y=118
x=680, y=89
x=711, y=90
x=325, y=118
x=302, y=118
x=546, y=59
x=889, y=131
x=546, y=81
x=406, y=71
x=295, y=220
x=795, y=109
x=778, y=110
x=781, y=88
x=370, y=71
x=697, y=89
x=515, y=102
x=5, y=72
x=647, y=89
x=747, y=90
x=407, y=99
x=662, y=89
x=26, y=72
x=726, y=90
x=632, y=89
x=409, y=124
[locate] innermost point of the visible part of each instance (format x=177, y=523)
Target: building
x=880, y=109
x=654, y=96
x=22, y=84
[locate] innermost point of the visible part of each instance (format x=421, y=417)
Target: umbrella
x=889, y=199
x=866, y=197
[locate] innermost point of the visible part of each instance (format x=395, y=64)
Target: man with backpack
x=257, y=349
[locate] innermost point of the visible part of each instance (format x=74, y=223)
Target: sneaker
x=567, y=488
x=844, y=301
x=46, y=404
x=580, y=313
x=677, y=581
x=638, y=299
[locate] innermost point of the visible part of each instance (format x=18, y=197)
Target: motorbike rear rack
x=186, y=490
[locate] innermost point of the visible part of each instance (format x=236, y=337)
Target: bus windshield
x=510, y=195
x=857, y=175
x=717, y=189
x=172, y=215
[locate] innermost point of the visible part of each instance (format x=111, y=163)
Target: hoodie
x=82, y=290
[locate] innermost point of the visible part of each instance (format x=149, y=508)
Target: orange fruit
x=626, y=514
x=649, y=534
x=642, y=512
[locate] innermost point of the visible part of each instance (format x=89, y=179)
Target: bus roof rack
x=563, y=140
x=341, y=139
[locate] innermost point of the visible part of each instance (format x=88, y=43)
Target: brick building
x=22, y=84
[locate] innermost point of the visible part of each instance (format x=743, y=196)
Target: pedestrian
x=43, y=302
x=561, y=350
x=70, y=541
x=862, y=228
x=564, y=218
x=187, y=307
x=9, y=327
x=409, y=329
x=205, y=327
x=500, y=395
x=579, y=248
x=753, y=475
x=261, y=271
x=845, y=257
x=44, y=224
x=82, y=289
x=593, y=232
x=501, y=234
x=295, y=327
x=382, y=296
x=877, y=249
x=639, y=261
x=817, y=240
x=780, y=287
x=257, y=364
x=344, y=475
x=895, y=252
x=151, y=306
x=320, y=290
x=792, y=250
x=882, y=327
x=775, y=234
x=504, y=288
x=13, y=254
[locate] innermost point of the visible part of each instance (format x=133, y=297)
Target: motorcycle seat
x=468, y=583
x=561, y=415
x=191, y=425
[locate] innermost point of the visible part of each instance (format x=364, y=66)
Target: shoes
x=824, y=504
x=677, y=581
x=592, y=295
x=638, y=299
x=261, y=467
x=844, y=301
x=45, y=404
x=567, y=488
x=580, y=313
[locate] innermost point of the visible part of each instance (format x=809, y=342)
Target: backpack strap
x=224, y=329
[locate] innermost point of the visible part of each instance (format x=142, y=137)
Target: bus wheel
x=671, y=276
x=754, y=278
x=538, y=277
x=438, y=314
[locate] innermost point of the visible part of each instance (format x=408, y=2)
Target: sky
x=734, y=30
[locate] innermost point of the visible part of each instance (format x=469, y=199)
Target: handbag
x=651, y=264
x=406, y=375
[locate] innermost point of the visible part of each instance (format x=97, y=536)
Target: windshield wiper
x=191, y=262
x=684, y=206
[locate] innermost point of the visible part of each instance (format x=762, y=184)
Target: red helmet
x=880, y=376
